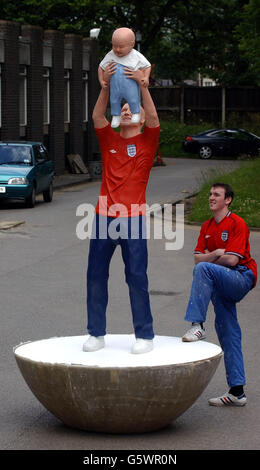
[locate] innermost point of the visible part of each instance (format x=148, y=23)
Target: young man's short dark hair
x=228, y=190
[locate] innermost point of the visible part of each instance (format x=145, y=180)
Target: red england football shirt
x=126, y=165
x=232, y=234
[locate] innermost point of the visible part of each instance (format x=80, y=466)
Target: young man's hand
x=219, y=252
x=108, y=72
x=145, y=81
x=209, y=256
x=136, y=75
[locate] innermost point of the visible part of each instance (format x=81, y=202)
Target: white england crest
x=131, y=150
x=224, y=235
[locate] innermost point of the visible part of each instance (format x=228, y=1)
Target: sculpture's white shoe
x=94, y=343
x=142, y=346
x=135, y=118
x=115, y=121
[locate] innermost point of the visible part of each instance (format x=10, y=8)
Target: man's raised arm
x=99, y=110
x=151, y=116
x=100, y=107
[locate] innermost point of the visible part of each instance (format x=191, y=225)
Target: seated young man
x=224, y=273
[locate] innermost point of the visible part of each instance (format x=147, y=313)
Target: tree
x=181, y=37
x=201, y=38
x=248, y=34
x=82, y=15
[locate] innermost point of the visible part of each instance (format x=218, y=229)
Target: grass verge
x=245, y=182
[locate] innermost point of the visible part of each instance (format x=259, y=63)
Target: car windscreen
x=15, y=154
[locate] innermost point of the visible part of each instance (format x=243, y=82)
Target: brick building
x=48, y=87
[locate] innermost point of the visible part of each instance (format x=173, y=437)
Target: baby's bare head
x=123, y=41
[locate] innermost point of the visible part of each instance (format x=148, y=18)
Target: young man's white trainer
x=228, y=400
x=142, y=346
x=94, y=343
x=195, y=333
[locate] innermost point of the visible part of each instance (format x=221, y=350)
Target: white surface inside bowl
x=117, y=352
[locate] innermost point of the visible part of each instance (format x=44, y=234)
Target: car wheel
x=48, y=193
x=30, y=200
x=205, y=152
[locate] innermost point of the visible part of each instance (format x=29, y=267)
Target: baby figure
x=124, y=55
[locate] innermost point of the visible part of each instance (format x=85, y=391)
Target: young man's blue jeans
x=224, y=287
x=134, y=252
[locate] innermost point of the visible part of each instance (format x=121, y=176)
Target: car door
x=220, y=142
x=43, y=167
x=47, y=165
x=247, y=143
x=236, y=144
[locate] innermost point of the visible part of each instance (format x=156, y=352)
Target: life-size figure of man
x=224, y=273
x=127, y=158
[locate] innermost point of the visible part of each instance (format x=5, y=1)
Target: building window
x=85, y=96
x=46, y=96
x=23, y=95
x=67, y=96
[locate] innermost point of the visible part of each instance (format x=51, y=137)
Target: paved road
x=180, y=176
x=42, y=284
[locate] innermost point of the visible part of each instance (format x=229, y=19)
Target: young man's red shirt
x=231, y=234
x=126, y=166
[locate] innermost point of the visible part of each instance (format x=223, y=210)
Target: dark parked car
x=225, y=142
x=25, y=170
